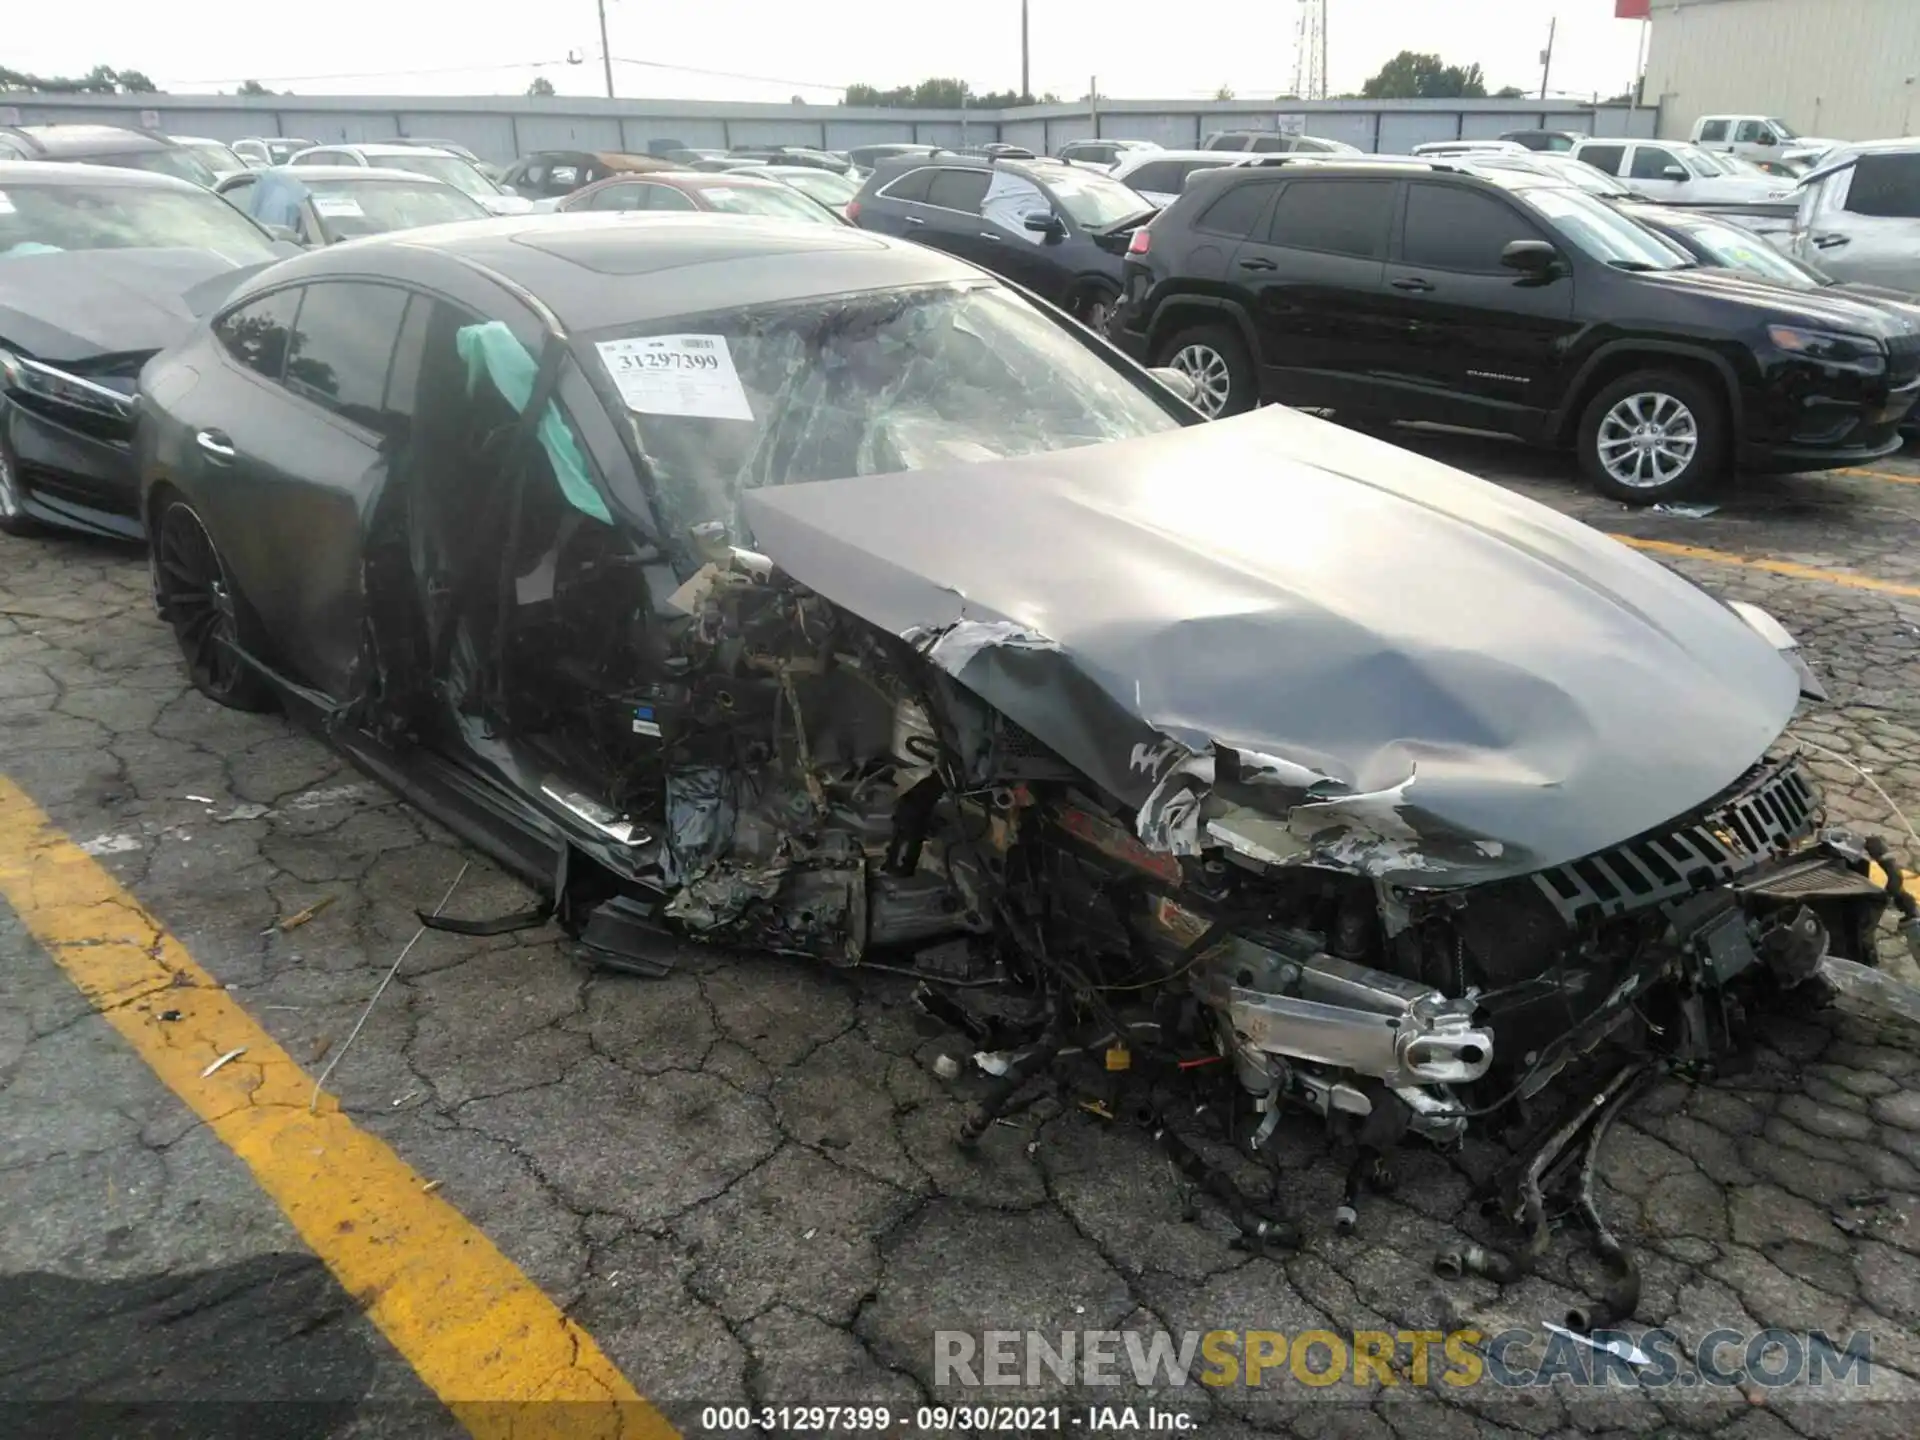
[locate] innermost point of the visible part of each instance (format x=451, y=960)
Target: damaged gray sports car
x=795, y=588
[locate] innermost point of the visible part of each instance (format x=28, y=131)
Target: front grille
x=1776, y=808
x=1903, y=365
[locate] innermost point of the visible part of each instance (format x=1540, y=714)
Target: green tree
x=252, y=87
x=939, y=93
x=1509, y=92
x=540, y=85
x=1414, y=76
x=101, y=80
x=1225, y=92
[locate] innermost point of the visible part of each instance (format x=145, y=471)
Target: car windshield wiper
x=1122, y=224
x=1641, y=267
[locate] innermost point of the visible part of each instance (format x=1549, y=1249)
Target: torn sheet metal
x=954, y=647
x=1225, y=588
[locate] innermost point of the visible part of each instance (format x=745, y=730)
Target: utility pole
x=1093, y=103
x=1546, y=56
x=606, y=53
x=1025, y=88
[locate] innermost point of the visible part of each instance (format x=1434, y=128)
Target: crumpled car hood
x=79, y=304
x=1499, y=687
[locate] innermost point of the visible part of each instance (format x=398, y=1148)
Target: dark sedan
x=99, y=268
x=1060, y=230
x=810, y=592
x=108, y=145
x=737, y=193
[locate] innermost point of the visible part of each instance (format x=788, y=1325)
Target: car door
x=1312, y=270
x=1863, y=222
x=1657, y=173
x=1027, y=257
x=1605, y=158
x=1477, y=341
x=1714, y=135
x=950, y=218
x=1752, y=138
x=288, y=477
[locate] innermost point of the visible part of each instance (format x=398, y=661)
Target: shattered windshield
x=865, y=384
x=349, y=208
x=768, y=199
x=78, y=216
x=1094, y=201
x=448, y=168
x=1738, y=248
x=179, y=162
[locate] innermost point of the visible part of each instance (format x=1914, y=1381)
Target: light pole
x=1025, y=88
x=606, y=52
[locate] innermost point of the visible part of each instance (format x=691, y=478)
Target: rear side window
x=1449, y=228
x=958, y=190
x=1887, y=186
x=342, y=347
x=620, y=197
x=1603, y=157
x=911, y=186
x=1713, y=132
x=256, y=334
x=1237, y=212
x=1167, y=177
x=1266, y=144
x=1336, y=217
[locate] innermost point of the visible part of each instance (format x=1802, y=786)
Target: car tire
x=1216, y=360
x=14, y=519
x=1653, y=436
x=208, y=613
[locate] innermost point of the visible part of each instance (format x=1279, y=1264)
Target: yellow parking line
x=1790, y=568
x=1883, y=475
x=482, y=1336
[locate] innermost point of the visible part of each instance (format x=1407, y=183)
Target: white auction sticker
x=338, y=207
x=677, y=375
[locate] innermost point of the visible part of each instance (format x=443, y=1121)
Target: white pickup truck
x=1758, y=137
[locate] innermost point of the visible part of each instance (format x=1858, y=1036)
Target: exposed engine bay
x=811, y=784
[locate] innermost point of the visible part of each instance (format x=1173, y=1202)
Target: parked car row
x=1510, y=288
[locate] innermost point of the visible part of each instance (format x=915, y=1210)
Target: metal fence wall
x=501, y=128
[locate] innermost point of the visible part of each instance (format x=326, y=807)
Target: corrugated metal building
x=1849, y=69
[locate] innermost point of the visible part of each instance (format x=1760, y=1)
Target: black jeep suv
x=1059, y=230
x=1503, y=301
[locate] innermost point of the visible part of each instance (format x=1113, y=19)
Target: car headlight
x=1843, y=352
x=34, y=380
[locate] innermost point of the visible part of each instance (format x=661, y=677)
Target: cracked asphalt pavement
x=741, y=1179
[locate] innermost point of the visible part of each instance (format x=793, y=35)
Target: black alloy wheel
x=209, y=617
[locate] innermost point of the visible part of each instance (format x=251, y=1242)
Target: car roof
x=750, y=173
x=383, y=147
x=15, y=173
x=344, y=172
x=199, y=140
x=1842, y=156
x=1147, y=157
x=91, y=139
x=679, y=264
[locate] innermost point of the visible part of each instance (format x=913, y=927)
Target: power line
x=728, y=74
x=370, y=74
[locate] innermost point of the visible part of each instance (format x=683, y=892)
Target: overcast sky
x=1134, y=46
